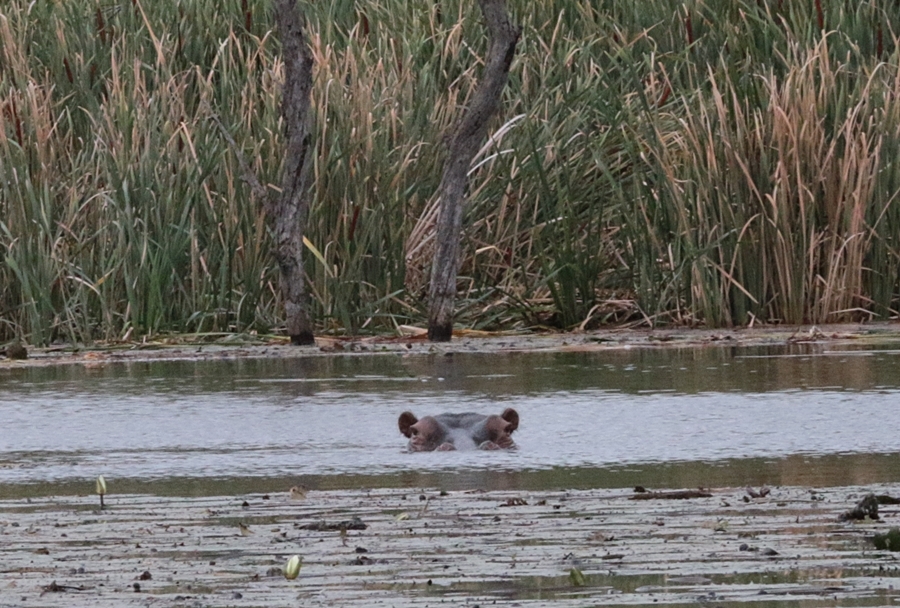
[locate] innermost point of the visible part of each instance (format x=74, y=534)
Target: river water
x=799, y=414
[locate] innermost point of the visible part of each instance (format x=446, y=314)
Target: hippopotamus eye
x=496, y=434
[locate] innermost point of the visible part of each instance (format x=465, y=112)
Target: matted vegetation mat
x=423, y=548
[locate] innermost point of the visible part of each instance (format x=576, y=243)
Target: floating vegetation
x=600, y=544
x=100, y=488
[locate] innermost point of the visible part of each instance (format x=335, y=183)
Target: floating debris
x=55, y=588
x=865, y=508
x=459, y=544
x=673, y=495
x=514, y=502
x=348, y=524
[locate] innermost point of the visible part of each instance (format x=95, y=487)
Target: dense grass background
x=718, y=163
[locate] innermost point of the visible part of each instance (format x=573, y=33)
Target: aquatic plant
x=100, y=488
x=292, y=567
x=660, y=162
x=889, y=541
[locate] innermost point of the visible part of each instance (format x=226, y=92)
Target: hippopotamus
x=460, y=431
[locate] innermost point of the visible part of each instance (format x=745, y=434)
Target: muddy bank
x=412, y=341
x=427, y=548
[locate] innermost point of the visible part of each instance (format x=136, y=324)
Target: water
x=722, y=416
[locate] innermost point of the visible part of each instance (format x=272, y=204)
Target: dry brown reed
x=658, y=162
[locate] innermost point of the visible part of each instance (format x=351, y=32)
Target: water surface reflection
x=669, y=417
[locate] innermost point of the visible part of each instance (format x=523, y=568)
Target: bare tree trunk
x=287, y=212
x=471, y=130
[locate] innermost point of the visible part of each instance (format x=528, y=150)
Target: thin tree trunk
x=470, y=132
x=287, y=212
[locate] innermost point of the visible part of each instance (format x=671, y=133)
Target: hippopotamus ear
x=407, y=419
x=512, y=417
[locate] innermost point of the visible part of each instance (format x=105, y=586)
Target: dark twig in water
x=55, y=588
x=674, y=495
x=349, y=524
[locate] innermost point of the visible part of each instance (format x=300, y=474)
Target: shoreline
x=235, y=346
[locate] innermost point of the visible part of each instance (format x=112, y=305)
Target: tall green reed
x=696, y=162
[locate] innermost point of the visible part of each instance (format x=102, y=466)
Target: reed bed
x=660, y=162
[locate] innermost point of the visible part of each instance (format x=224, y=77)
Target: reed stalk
x=695, y=162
